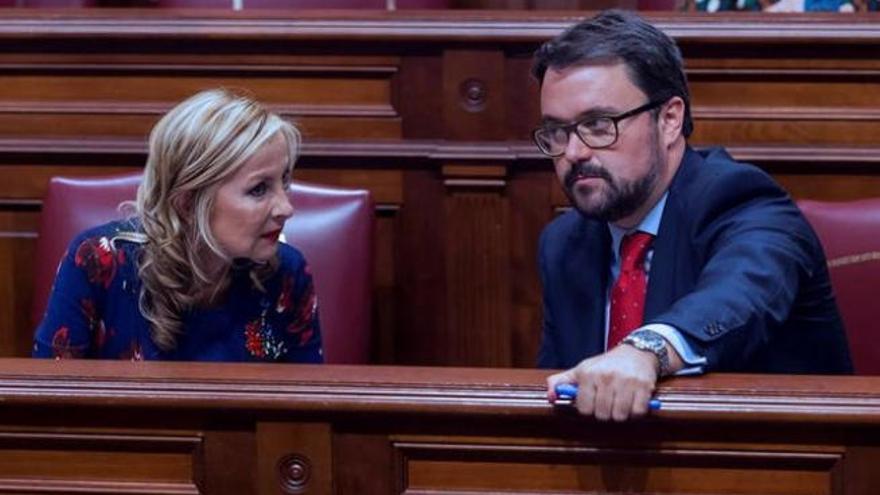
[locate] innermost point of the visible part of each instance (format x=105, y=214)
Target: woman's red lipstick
x=272, y=235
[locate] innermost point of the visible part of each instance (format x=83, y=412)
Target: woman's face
x=251, y=206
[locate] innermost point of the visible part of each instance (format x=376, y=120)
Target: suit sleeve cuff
x=694, y=363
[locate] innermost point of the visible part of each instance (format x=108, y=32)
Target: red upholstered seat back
x=332, y=227
x=850, y=234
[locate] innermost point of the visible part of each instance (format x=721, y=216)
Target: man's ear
x=671, y=121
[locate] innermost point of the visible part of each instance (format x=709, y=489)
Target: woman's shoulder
x=105, y=253
x=127, y=230
x=118, y=239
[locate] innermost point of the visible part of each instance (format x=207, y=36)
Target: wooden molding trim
x=26, y=485
x=489, y=152
x=346, y=389
x=475, y=183
x=138, y=108
x=786, y=113
x=810, y=154
x=495, y=26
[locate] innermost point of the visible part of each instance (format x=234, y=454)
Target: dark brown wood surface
x=431, y=111
x=135, y=427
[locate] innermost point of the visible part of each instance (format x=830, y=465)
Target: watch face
x=649, y=340
x=653, y=342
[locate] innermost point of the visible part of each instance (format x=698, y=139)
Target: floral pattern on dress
x=303, y=324
x=61, y=348
x=135, y=352
x=95, y=324
x=99, y=260
x=260, y=340
x=285, y=298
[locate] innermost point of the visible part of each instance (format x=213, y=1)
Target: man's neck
x=673, y=161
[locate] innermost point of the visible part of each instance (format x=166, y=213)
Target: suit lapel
x=587, y=268
x=662, y=291
x=661, y=279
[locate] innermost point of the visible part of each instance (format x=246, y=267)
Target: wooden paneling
x=529, y=468
x=91, y=427
x=138, y=462
x=422, y=272
x=770, y=131
x=529, y=196
x=478, y=268
x=355, y=472
x=837, y=187
x=294, y=458
x=327, y=100
x=430, y=111
x=228, y=458
x=473, y=95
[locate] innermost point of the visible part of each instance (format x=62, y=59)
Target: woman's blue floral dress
x=93, y=310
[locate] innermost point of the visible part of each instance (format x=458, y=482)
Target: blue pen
x=570, y=391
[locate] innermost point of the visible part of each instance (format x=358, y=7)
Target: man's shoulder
x=716, y=163
x=568, y=231
x=565, y=223
x=569, y=226
x=713, y=175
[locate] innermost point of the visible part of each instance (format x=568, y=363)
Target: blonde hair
x=193, y=149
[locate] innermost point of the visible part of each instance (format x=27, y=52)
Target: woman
x=197, y=272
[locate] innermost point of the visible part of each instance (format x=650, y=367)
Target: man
x=673, y=260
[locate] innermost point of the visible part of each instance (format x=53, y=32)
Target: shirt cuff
x=693, y=363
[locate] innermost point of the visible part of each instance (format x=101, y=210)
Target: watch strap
x=653, y=342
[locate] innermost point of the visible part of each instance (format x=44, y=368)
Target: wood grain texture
x=473, y=94
x=422, y=272
x=534, y=468
x=531, y=207
x=478, y=271
x=294, y=458
x=91, y=427
x=417, y=390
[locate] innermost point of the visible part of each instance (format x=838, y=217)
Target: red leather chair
x=332, y=227
x=849, y=233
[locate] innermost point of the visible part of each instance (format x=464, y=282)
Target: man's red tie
x=628, y=293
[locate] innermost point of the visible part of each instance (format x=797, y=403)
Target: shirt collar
x=650, y=225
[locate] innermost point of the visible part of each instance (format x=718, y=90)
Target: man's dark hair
x=652, y=58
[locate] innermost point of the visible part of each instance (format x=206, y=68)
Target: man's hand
x=615, y=385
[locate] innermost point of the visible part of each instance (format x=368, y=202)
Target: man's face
x=610, y=184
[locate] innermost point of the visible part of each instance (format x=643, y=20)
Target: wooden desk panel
x=431, y=111
x=113, y=427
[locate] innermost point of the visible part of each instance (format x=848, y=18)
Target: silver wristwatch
x=653, y=342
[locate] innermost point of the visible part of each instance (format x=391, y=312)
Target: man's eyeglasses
x=595, y=132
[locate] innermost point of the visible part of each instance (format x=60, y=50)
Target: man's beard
x=620, y=199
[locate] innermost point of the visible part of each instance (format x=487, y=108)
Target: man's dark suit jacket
x=736, y=268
